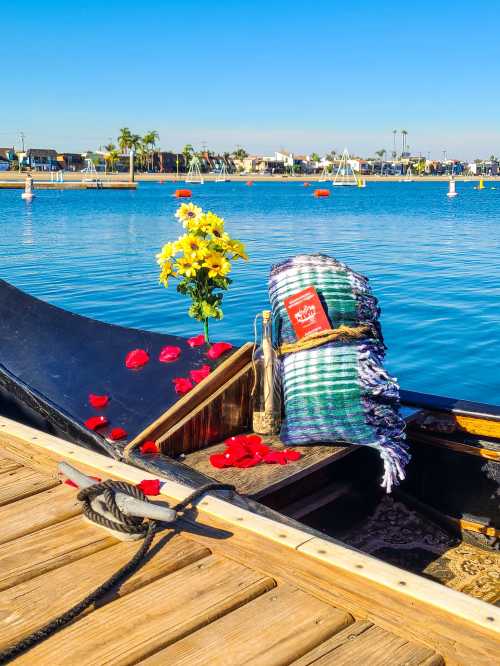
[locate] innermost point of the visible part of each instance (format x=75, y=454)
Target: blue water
x=433, y=263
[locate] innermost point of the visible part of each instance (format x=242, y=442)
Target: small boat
x=345, y=175
x=316, y=540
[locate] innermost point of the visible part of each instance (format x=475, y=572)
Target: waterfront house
x=70, y=161
x=39, y=159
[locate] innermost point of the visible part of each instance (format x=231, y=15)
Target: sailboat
x=345, y=174
x=222, y=174
x=325, y=175
x=194, y=172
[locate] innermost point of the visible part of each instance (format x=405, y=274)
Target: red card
x=306, y=312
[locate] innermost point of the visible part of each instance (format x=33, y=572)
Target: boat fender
x=181, y=194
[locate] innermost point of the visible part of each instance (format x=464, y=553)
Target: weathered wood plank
x=273, y=629
x=48, y=549
x=29, y=605
x=7, y=464
x=264, y=479
x=364, y=643
x=306, y=505
x=22, y=482
x=37, y=511
x=154, y=616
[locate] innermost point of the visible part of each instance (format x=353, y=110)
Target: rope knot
x=99, y=499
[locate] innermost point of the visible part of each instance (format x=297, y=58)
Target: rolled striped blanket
x=339, y=391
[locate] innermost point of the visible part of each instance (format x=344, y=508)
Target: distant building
x=39, y=159
x=70, y=161
x=7, y=156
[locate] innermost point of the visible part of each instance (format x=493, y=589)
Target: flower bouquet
x=200, y=260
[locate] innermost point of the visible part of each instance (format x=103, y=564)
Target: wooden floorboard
x=48, y=549
x=263, y=479
x=7, y=464
x=273, y=629
x=37, y=511
x=152, y=617
x=27, y=606
x=22, y=482
x=363, y=643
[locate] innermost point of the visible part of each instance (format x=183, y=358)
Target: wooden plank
x=22, y=482
x=273, y=629
x=461, y=628
x=37, y=511
x=306, y=505
x=364, y=643
x=148, y=619
x=439, y=403
x=7, y=464
x=48, y=549
x=198, y=394
x=262, y=480
x=29, y=605
x=225, y=412
x=441, y=442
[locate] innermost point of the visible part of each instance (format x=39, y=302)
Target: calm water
x=433, y=263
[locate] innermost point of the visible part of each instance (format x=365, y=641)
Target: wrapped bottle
x=266, y=392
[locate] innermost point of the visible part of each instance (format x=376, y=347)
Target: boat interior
x=427, y=555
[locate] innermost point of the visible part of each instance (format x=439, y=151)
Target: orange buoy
x=182, y=193
x=321, y=193
x=306, y=184
x=249, y=182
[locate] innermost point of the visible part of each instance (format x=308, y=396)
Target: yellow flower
x=210, y=223
x=194, y=247
x=187, y=266
x=166, y=272
x=238, y=249
x=216, y=264
x=188, y=214
x=167, y=252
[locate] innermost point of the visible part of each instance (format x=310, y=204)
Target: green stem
x=205, y=330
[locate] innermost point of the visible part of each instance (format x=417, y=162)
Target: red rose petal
x=197, y=341
x=253, y=439
x=217, y=349
x=182, y=385
x=275, y=457
x=198, y=375
x=169, y=354
x=258, y=450
x=71, y=483
x=236, y=451
x=150, y=486
x=117, y=433
x=292, y=455
x=247, y=462
x=136, y=359
x=149, y=447
x=95, y=422
x=219, y=460
x=98, y=401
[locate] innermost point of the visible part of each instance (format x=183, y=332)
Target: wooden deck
x=234, y=589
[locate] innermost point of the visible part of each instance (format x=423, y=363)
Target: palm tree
x=315, y=157
x=149, y=140
x=240, y=153
x=404, y=134
x=109, y=147
x=124, y=139
x=187, y=151
x=394, y=153
x=331, y=155
x=111, y=157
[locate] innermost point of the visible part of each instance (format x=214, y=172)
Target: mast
x=345, y=174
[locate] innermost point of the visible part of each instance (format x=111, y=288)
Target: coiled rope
x=129, y=525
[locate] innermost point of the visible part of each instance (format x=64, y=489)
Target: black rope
x=135, y=525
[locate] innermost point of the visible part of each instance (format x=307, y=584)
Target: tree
x=404, y=134
x=331, y=156
x=109, y=147
x=149, y=140
x=187, y=152
x=240, y=154
x=315, y=157
x=124, y=139
x=111, y=157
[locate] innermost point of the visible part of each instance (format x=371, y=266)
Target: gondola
x=52, y=359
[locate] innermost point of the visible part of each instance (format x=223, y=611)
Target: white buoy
x=452, y=191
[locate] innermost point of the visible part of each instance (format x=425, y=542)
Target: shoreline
x=15, y=176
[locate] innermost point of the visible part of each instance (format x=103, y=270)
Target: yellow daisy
x=187, y=266
x=216, y=264
x=194, y=247
x=210, y=223
x=166, y=272
x=188, y=213
x=167, y=252
x=238, y=249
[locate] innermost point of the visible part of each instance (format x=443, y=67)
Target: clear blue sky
x=305, y=76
